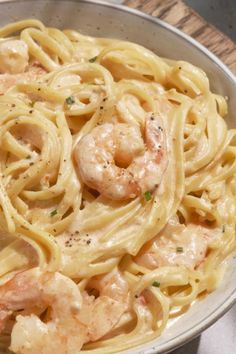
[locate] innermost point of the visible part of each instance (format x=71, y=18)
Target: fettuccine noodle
x=131, y=246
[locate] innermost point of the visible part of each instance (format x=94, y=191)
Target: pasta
x=117, y=191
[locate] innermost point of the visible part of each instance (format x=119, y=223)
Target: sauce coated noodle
x=117, y=191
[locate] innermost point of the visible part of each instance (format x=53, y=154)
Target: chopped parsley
x=54, y=212
x=147, y=196
x=28, y=157
x=156, y=284
x=70, y=100
x=223, y=228
x=179, y=249
x=92, y=60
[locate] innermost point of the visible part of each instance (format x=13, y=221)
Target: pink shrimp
x=177, y=244
x=114, y=160
x=36, y=289
x=9, y=80
x=73, y=319
x=15, y=66
x=104, y=312
x=14, y=56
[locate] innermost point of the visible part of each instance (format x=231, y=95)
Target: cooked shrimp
x=9, y=80
x=64, y=333
x=114, y=160
x=14, y=57
x=103, y=313
x=178, y=244
x=74, y=319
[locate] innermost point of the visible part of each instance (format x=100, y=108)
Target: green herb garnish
x=179, y=249
x=54, y=212
x=156, y=284
x=223, y=228
x=92, y=60
x=147, y=196
x=28, y=157
x=70, y=100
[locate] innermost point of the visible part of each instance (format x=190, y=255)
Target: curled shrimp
x=14, y=57
x=114, y=160
x=36, y=289
x=177, y=244
x=103, y=313
x=73, y=319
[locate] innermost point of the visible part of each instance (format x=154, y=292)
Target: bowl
x=108, y=20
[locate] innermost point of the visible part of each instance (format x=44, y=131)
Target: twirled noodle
x=162, y=247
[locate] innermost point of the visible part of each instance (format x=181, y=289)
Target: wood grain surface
x=176, y=13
